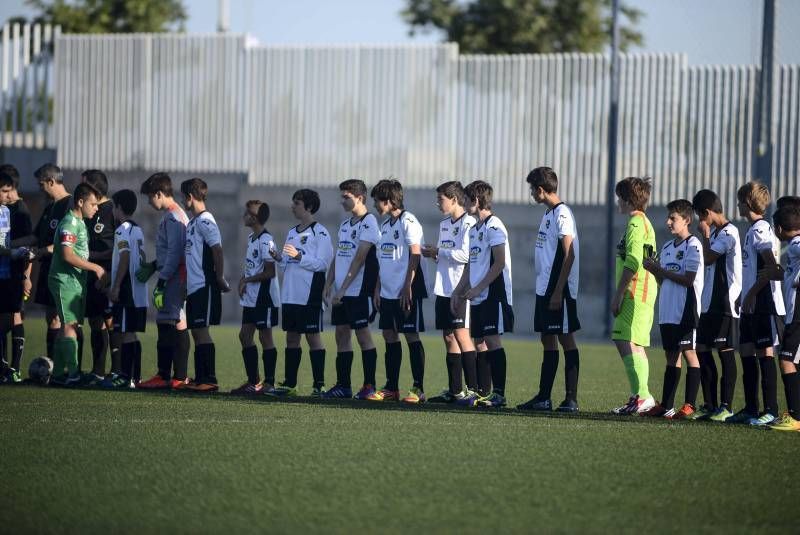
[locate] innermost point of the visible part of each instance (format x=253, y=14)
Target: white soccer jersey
x=304, y=280
x=791, y=278
x=265, y=293
x=549, y=255
x=5, y=241
x=351, y=234
x=723, y=278
x=760, y=238
x=394, y=248
x=129, y=238
x=678, y=304
x=453, y=253
x=482, y=237
x=202, y=234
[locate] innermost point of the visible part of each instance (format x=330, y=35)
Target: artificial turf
x=88, y=461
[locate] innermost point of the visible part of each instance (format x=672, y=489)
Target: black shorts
x=261, y=317
x=489, y=318
x=129, y=319
x=43, y=295
x=393, y=318
x=303, y=319
x=790, y=347
x=356, y=311
x=10, y=296
x=561, y=321
x=445, y=320
x=715, y=330
x=761, y=330
x=204, y=307
x=676, y=337
x=96, y=301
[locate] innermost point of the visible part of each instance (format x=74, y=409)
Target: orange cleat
x=177, y=384
x=684, y=412
x=154, y=383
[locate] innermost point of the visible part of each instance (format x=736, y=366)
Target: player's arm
x=176, y=249
x=460, y=290
x=266, y=274
x=320, y=257
x=499, y=256
x=211, y=237
x=355, y=266
x=414, y=258
x=634, y=242
x=770, y=272
x=65, y=243
x=567, y=244
x=24, y=227
x=460, y=255
x=45, y=249
x=123, y=266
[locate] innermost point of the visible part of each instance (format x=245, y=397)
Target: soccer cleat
x=13, y=376
x=366, y=391
x=720, y=415
x=202, y=387
x=467, y=398
x=178, y=384
x=281, y=391
x=644, y=405
x=91, y=380
x=154, y=383
x=568, y=405
x=684, y=412
x=114, y=381
x=317, y=392
x=444, y=397
x=338, y=392
x=627, y=408
x=415, y=395
x=493, y=400
x=67, y=380
x=384, y=394
x=247, y=389
x=536, y=404
x=656, y=411
x=742, y=417
x=785, y=423
x=703, y=413
x=764, y=420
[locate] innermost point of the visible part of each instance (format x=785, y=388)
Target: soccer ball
x=40, y=370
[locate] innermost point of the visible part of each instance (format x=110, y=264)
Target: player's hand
x=27, y=286
x=376, y=301
x=616, y=305
x=472, y=293
x=650, y=265
x=454, y=304
x=275, y=254
x=145, y=271
x=337, y=298
x=158, y=297
x=113, y=295
x=405, y=299
x=290, y=251
x=429, y=251
x=19, y=253
x=556, y=301
x=749, y=303
x=224, y=287
x=242, y=287
x=704, y=228
x=99, y=271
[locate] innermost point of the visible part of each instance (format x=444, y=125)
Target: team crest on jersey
x=455, y=231
x=480, y=236
x=679, y=255
x=396, y=234
x=547, y=224
x=474, y=251
x=53, y=224
x=98, y=228
x=303, y=239
x=353, y=234
x=255, y=253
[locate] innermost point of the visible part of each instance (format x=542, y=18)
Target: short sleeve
x=722, y=243
x=265, y=243
x=496, y=233
x=565, y=224
x=763, y=238
x=694, y=257
x=122, y=239
x=369, y=230
x=412, y=230
x=634, y=243
x=67, y=236
x=209, y=231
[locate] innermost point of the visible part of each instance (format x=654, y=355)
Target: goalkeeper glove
x=145, y=271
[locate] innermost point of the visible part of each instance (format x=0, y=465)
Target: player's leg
x=53, y=328
x=416, y=355
x=750, y=372
x=369, y=360
x=344, y=354
x=316, y=353
x=269, y=354
x=6, y=322
x=249, y=354
x=496, y=359
x=98, y=341
x=769, y=371
x=17, y=345
x=549, y=323
x=204, y=361
x=572, y=366
x=789, y=359
x=393, y=358
x=455, y=370
x=483, y=367
x=466, y=346
x=692, y=382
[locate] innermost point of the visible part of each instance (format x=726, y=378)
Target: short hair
x=262, y=210
x=196, y=187
x=480, y=191
x=6, y=180
x=786, y=200
x=309, y=198
x=787, y=217
x=49, y=171
x=755, y=195
x=13, y=172
x=126, y=200
x=97, y=179
x=635, y=191
x=157, y=183
x=452, y=190
x=82, y=192
x=706, y=200
x=389, y=190
x=543, y=177
x=681, y=207
x=354, y=186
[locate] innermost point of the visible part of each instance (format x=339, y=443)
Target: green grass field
x=93, y=461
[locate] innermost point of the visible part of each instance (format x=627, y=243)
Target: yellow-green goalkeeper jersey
x=638, y=243
x=71, y=232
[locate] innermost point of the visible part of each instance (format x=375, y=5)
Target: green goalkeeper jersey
x=71, y=232
x=638, y=243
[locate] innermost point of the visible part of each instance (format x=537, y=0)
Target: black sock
x=454, y=369
x=692, y=385
x=708, y=378
x=137, y=361
x=791, y=384
x=750, y=382
x=572, y=368
x=17, y=345
x=416, y=352
x=769, y=384
x=52, y=334
x=727, y=359
x=250, y=358
x=484, y=373
x=469, y=361
x=672, y=376
x=270, y=359
x=211, y=363
x=548, y=374
x=199, y=363
x=292, y=365
x=369, y=359
x=394, y=359
x=98, y=338
x=165, y=349
x=497, y=363
x=317, y=357
x=344, y=365
x=180, y=362
x=3, y=353
x=128, y=355
x=114, y=347
x=79, y=336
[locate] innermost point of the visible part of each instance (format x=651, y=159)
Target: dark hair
x=480, y=191
x=97, y=179
x=13, y=172
x=389, y=190
x=157, y=183
x=785, y=201
x=309, y=198
x=543, y=177
x=196, y=187
x=635, y=191
x=706, y=200
x=82, y=192
x=49, y=171
x=126, y=200
x=787, y=217
x=262, y=213
x=681, y=207
x=6, y=180
x=354, y=186
x=452, y=190
x=755, y=195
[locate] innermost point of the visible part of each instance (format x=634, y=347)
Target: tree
x=522, y=26
x=112, y=16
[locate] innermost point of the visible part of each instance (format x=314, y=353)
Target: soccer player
x=304, y=259
x=127, y=295
x=787, y=228
x=51, y=183
x=451, y=254
x=681, y=279
x=67, y=281
x=259, y=296
x=557, y=261
x=350, y=287
x=634, y=300
x=401, y=289
x=205, y=283
x=172, y=346
x=761, y=308
x=486, y=284
x=722, y=284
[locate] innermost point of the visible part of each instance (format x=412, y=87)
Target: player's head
x=541, y=181
x=6, y=188
x=158, y=188
x=255, y=212
x=84, y=199
x=353, y=193
x=633, y=193
x=706, y=202
x=387, y=195
x=125, y=203
x=450, y=196
x=97, y=179
x=787, y=222
x=786, y=200
x=305, y=202
x=49, y=177
x=11, y=171
x=753, y=198
x=679, y=216
x=479, y=196
x=195, y=191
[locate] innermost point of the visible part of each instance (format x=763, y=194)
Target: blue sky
x=709, y=31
